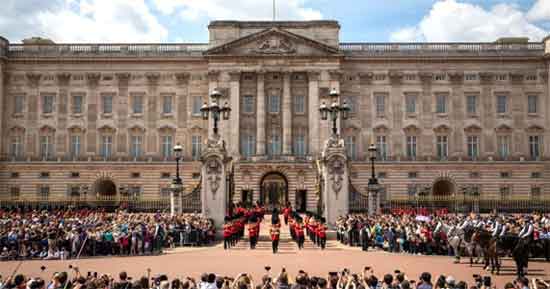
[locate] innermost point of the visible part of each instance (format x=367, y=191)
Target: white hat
x=450, y=280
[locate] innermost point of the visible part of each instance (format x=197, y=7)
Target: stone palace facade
x=101, y=119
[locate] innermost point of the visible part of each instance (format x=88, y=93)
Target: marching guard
x=275, y=233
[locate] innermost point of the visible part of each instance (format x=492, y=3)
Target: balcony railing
x=419, y=49
x=91, y=50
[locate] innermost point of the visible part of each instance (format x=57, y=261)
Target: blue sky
x=187, y=20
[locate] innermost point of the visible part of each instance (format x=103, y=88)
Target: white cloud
x=82, y=21
x=539, y=11
x=450, y=21
x=237, y=9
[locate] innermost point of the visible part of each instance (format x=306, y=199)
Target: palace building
x=84, y=121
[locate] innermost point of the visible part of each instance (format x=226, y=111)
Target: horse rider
x=527, y=230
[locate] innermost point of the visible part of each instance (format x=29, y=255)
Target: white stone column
x=287, y=115
x=2, y=149
x=234, y=125
x=313, y=115
x=260, y=115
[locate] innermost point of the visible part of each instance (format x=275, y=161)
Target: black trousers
x=323, y=241
x=275, y=245
x=227, y=242
x=300, y=242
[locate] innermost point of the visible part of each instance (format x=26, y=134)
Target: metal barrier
x=190, y=203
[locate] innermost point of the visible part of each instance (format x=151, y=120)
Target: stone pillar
x=4, y=43
x=181, y=97
x=260, y=116
x=63, y=81
x=235, y=104
x=426, y=140
x=94, y=110
x=313, y=115
x=287, y=115
x=456, y=115
x=150, y=141
x=122, y=113
x=395, y=113
x=335, y=175
x=214, y=189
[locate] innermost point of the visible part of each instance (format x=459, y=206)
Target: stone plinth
x=213, y=187
x=335, y=175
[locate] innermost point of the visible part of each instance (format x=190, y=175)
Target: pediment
x=273, y=42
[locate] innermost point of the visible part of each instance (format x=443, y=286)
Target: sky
x=160, y=21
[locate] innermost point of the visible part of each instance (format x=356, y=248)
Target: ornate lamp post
x=177, y=185
x=215, y=110
x=373, y=186
x=335, y=110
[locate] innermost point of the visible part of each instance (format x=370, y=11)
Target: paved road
x=194, y=261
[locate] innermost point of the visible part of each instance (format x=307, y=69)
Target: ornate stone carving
x=213, y=75
x=153, y=77
x=456, y=77
x=182, y=77
x=275, y=45
x=336, y=75
x=395, y=76
x=234, y=75
x=313, y=75
x=516, y=77
x=426, y=76
x=93, y=78
x=486, y=77
x=366, y=77
x=63, y=78
x=213, y=172
x=336, y=173
x=33, y=79
x=543, y=75
x=123, y=76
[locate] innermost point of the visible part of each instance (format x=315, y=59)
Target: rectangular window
x=165, y=192
x=411, y=103
x=351, y=147
x=502, y=103
x=107, y=104
x=77, y=103
x=46, y=146
x=166, y=146
x=471, y=104
x=75, y=145
x=473, y=146
x=167, y=104
x=44, y=192
x=505, y=193
x=411, y=190
x=248, y=145
x=19, y=104
x=535, y=144
x=106, y=148
x=274, y=103
x=274, y=148
x=380, y=105
x=135, y=146
x=47, y=104
x=505, y=175
x=536, y=175
x=299, y=104
x=134, y=191
x=411, y=147
x=197, y=104
x=196, y=147
x=503, y=143
x=16, y=147
x=536, y=193
x=74, y=191
x=382, y=147
x=441, y=104
x=300, y=145
x=248, y=104
x=15, y=192
x=532, y=101
x=351, y=101
x=412, y=175
x=137, y=104
x=442, y=147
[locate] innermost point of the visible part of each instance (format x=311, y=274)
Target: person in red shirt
x=227, y=233
x=286, y=212
x=299, y=228
x=275, y=232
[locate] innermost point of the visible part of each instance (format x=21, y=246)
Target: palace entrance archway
x=105, y=188
x=443, y=188
x=274, y=190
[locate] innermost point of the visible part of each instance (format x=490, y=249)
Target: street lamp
x=215, y=109
x=335, y=110
x=373, y=185
x=177, y=185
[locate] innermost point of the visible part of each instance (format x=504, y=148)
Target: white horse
x=460, y=239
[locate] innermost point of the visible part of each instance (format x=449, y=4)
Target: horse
x=489, y=246
x=460, y=239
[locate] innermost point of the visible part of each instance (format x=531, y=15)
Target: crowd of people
x=367, y=279
x=419, y=233
x=63, y=234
